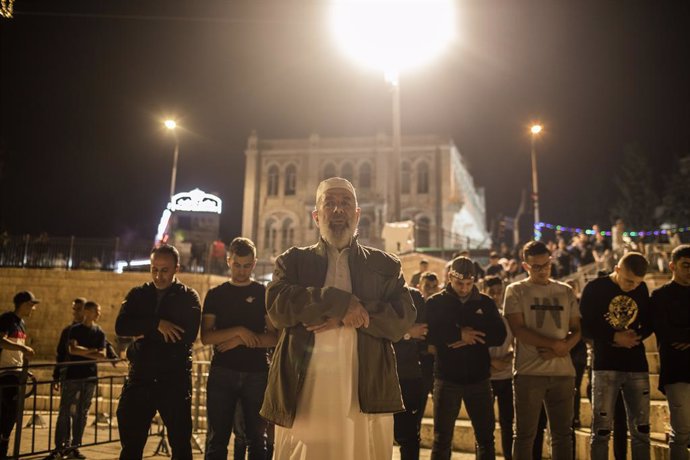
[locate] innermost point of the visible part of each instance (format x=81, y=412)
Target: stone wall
x=57, y=288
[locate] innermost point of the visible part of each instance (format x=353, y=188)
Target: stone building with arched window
x=437, y=190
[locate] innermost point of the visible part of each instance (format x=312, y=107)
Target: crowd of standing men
x=337, y=356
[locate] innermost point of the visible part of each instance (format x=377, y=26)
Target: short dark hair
x=91, y=305
x=79, y=300
x=534, y=248
x=635, y=262
x=463, y=267
x=680, y=251
x=167, y=249
x=492, y=280
x=241, y=246
x=431, y=276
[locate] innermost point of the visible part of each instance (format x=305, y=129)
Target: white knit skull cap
x=335, y=182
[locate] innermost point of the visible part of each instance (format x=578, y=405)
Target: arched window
x=364, y=176
x=423, y=232
x=328, y=171
x=347, y=172
x=423, y=177
x=270, y=235
x=287, y=234
x=272, y=184
x=364, y=228
x=290, y=180
x=405, y=177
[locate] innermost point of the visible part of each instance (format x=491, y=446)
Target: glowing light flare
x=393, y=35
x=536, y=129
x=170, y=124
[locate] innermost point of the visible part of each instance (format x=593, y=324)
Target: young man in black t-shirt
x=13, y=352
x=671, y=307
x=234, y=321
x=616, y=316
x=85, y=342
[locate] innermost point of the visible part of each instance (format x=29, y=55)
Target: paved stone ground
x=110, y=451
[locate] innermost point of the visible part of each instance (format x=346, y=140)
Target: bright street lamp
x=393, y=36
x=536, y=129
x=172, y=125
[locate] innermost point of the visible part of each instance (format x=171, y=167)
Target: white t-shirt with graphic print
x=547, y=310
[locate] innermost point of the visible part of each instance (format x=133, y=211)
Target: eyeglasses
x=539, y=267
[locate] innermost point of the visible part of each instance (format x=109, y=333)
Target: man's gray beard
x=339, y=238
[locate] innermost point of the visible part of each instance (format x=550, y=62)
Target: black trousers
x=503, y=392
x=139, y=401
x=406, y=424
x=9, y=389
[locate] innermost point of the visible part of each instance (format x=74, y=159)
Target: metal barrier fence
x=69, y=252
x=37, y=411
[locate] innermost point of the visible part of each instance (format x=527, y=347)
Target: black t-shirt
x=671, y=307
x=88, y=337
x=605, y=310
x=239, y=306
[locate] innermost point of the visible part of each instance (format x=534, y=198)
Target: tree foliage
x=636, y=199
x=677, y=195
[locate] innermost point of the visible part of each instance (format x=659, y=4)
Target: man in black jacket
x=406, y=424
x=671, y=312
x=164, y=318
x=463, y=324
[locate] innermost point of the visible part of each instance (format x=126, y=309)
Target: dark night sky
x=84, y=85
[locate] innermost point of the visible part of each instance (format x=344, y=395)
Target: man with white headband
x=332, y=385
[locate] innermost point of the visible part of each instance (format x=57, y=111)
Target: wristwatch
x=407, y=336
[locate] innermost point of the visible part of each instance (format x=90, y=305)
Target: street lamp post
x=393, y=37
x=536, y=129
x=172, y=125
x=396, y=151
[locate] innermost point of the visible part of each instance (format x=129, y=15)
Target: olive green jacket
x=296, y=296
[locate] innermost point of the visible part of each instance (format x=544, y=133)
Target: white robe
x=328, y=423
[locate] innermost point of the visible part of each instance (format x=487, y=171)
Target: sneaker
x=74, y=453
x=54, y=455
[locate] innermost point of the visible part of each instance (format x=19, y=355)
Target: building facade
x=437, y=191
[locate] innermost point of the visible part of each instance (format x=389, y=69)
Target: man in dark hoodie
x=463, y=324
x=164, y=318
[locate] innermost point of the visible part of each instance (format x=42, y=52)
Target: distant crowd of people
x=337, y=356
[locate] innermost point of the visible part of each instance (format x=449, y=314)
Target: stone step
x=658, y=414
x=463, y=441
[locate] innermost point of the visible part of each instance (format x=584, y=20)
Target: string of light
x=590, y=231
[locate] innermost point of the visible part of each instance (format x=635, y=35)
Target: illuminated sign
x=195, y=201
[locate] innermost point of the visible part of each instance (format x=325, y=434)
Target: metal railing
x=38, y=409
x=68, y=253
x=110, y=254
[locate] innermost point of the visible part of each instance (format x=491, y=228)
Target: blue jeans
x=605, y=388
x=479, y=402
x=224, y=389
x=532, y=392
x=678, y=396
x=75, y=400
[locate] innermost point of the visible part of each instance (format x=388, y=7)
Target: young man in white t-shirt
x=544, y=317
